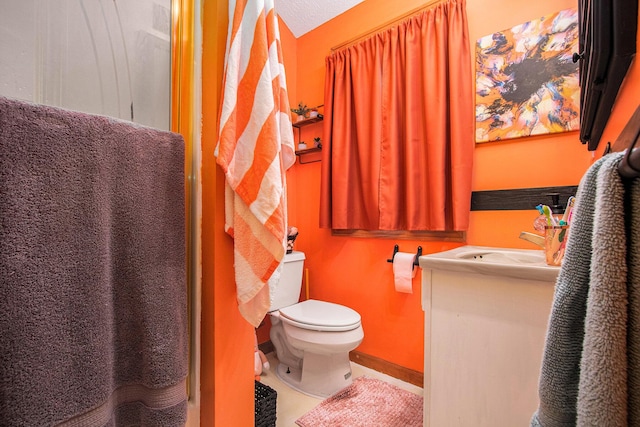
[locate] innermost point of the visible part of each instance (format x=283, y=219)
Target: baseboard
x=372, y=362
x=266, y=347
x=386, y=367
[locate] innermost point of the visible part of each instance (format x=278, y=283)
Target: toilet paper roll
x=403, y=272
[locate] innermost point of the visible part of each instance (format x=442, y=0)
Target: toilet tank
x=287, y=291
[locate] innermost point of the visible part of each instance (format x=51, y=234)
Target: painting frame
x=526, y=81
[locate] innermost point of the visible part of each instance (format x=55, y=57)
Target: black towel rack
x=629, y=166
x=415, y=260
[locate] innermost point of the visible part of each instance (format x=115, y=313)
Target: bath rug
x=367, y=402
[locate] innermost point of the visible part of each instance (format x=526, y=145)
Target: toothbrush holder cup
x=555, y=243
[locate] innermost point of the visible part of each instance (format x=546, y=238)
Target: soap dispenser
x=557, y=209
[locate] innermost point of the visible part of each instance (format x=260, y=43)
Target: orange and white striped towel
x=255, y=147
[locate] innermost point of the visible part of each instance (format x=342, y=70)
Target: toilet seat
x=320, y=316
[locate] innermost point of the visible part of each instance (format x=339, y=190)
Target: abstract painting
x=526, y=81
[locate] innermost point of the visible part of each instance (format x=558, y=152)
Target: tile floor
x=291, y=404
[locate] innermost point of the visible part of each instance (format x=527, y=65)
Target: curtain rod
x=386, y=25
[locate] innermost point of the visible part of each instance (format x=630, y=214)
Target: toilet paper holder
x=415, y=261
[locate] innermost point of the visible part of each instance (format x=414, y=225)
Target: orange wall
x=226, y=377
x=354, y=271
x=227, y=343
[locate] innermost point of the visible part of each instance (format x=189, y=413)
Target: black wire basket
x=265, y=398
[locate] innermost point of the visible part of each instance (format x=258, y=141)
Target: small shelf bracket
x=302, y=153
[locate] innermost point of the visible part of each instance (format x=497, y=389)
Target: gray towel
x=590, y=363
x=93, y=319
x=633, y=288
x=602, y=391
x=559, y=376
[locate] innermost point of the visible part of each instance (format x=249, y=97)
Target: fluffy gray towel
x=602, y=391
x=587, y=378
x=559, y=376
x=633, y=288
x=93, y=319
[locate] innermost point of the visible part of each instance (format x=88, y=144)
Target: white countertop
x=516, y=263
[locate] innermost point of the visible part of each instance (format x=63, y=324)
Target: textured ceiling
x=302, y=16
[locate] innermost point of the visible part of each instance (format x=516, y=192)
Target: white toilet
x=312, y=338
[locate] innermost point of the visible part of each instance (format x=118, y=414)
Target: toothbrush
x=546, y=210
x=568, y=212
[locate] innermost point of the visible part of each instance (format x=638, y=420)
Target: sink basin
x=517, y=263
x=501, y=256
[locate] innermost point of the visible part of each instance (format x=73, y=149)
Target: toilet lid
x=321, y=316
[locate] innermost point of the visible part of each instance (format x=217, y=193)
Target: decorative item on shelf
x=292, y=233
x=302, y=145
x=317, y=142
x=314, y=111
x=302, y=111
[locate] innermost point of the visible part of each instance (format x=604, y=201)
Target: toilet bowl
x=312, y=338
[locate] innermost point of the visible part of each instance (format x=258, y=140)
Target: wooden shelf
x=301, y=153
x=308, y=151
x=303, y=123
x=306, y=122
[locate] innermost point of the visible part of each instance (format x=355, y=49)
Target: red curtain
x=398, y=129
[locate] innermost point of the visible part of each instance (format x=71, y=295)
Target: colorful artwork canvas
x=526, y=81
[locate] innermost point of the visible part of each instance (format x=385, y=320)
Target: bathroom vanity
x=486, y=313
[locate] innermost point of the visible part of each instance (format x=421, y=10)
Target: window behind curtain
x=398, y=127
